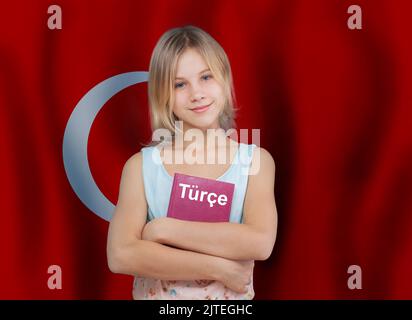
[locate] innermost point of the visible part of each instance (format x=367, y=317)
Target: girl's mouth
x=201, y=108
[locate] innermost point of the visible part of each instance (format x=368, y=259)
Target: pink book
x=200, y=199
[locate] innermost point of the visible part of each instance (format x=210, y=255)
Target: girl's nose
x=197, y=94
x=197, y=97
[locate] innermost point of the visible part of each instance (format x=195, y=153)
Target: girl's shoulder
x=134, y=163
x=262, y=161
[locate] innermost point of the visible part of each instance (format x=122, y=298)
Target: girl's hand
x=237, y=275
x=154, y=230
x=149, y=231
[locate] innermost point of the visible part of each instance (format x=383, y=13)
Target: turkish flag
x=333, y=105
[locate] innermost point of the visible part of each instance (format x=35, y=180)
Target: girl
x=190, y=81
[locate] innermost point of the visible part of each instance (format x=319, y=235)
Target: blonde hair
x=162, y=73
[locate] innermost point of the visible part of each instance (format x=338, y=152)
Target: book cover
x=200, y=199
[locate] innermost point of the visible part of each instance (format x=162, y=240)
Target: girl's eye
x=207, y=77
x=179, y=85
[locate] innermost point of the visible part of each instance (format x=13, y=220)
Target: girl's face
x=198, y=97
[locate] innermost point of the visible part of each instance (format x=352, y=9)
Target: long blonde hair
x=162, y=73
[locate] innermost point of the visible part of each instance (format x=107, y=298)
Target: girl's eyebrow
x=199, y=73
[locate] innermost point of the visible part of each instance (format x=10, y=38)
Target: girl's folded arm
x=252, y=240
x=127, y=253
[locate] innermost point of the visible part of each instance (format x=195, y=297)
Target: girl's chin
x=202, y=125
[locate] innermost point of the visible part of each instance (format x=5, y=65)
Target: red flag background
x=333, y=106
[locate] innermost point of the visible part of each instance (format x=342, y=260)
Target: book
x=200, y=199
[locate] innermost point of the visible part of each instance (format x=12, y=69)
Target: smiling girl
x=190, y=81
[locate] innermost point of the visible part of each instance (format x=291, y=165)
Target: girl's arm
x=254, y=239
x=128, y=254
